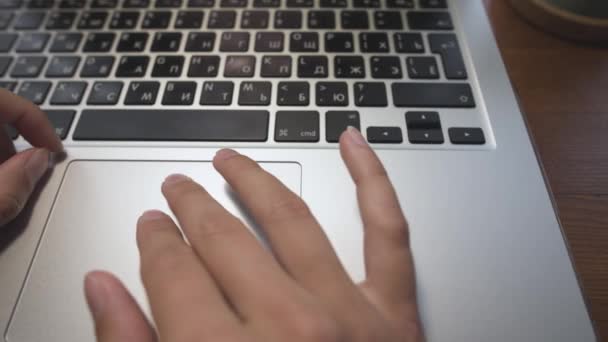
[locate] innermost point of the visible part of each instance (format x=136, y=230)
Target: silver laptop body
x=490, y=256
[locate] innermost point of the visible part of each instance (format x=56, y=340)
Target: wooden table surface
x=563, y=92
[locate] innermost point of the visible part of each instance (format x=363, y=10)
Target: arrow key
x=466, y=136
x=425, y=136
x=384, y=135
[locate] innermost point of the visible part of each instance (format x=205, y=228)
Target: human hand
x=225, y=287
x=19, y=172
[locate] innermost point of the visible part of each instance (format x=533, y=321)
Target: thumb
x=117, y=316
x=18, y=177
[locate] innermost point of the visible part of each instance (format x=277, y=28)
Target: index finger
x=388, y=259
x=29, y=120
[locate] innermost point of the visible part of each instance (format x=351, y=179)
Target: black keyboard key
x=276, y=66
x=97, y=66
x=422, y=120
x=332, y=94
x=5, y=63
x=269, y=41
x=422, y=67
x=267, y=3
x=384, y=135
x=433, y=4
x=107, y=4
x=8, y=85
x=222, y=20
x=287, y=19
x=409, y=42
x=430, y=20
x=124, y=20
x=217, y=93
x=234, y=42
x=179, y=93
x=425, y=136
x=136, y=3
x=200, y=41
x=357, y=20
x=40, y=4
x=255, y=93
x=312, y=67
x=339, y=42
x=297, y=126
x=349, y=67
x=156, y=20
x=35, y=92
x=255, y=19
x=99, y=42
x=293, y=94
x=132, y=42
x=11, y=132
x=201, y=3
x=386, y=67
x=62, y=66
x=388, y=20
x=29, y=21
x=373, y=42
x=370, y=94
x=433, y=95
x=142, y=93
x=5, y=19
x=60, y=20
x=304, y=42
x=300, y=3
x=400, y=3
x=61, y=121
x=72, y=4
x=7, y=40
x=239, y=66
x=168, y=3
x=189, y=20
x=336, y=122
x=233, y=3
x=204, y=66
x=168, y=66
x=166, y=41
x=366, y=3
x=10, y=4
x=28, y=66
x=447, y=46
x=68, y=93
x=321, y=20
x=466, y=136
x=105, y=93
x=32, y=42
x=333, y=3
x=66, y=42
x=132, y=66
x=92, y=20
x=173, y=125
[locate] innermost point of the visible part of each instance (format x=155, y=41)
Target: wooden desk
x=563, y=91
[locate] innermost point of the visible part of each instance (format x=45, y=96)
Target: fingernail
x=95, y=294
x=176, y=178
x=37, y=165
x=225, y=153
x=151, y=215
x=356, y=136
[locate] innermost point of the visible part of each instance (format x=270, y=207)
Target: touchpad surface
x=92, y=226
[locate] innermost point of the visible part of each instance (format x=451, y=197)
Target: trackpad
x=92, y=226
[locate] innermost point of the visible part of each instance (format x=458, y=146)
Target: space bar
x=173, y=125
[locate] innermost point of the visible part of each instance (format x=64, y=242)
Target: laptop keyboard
x=291, y=72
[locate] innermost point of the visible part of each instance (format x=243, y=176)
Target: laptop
x=140, y=89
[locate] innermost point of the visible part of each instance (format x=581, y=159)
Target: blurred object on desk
x=581, y=20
